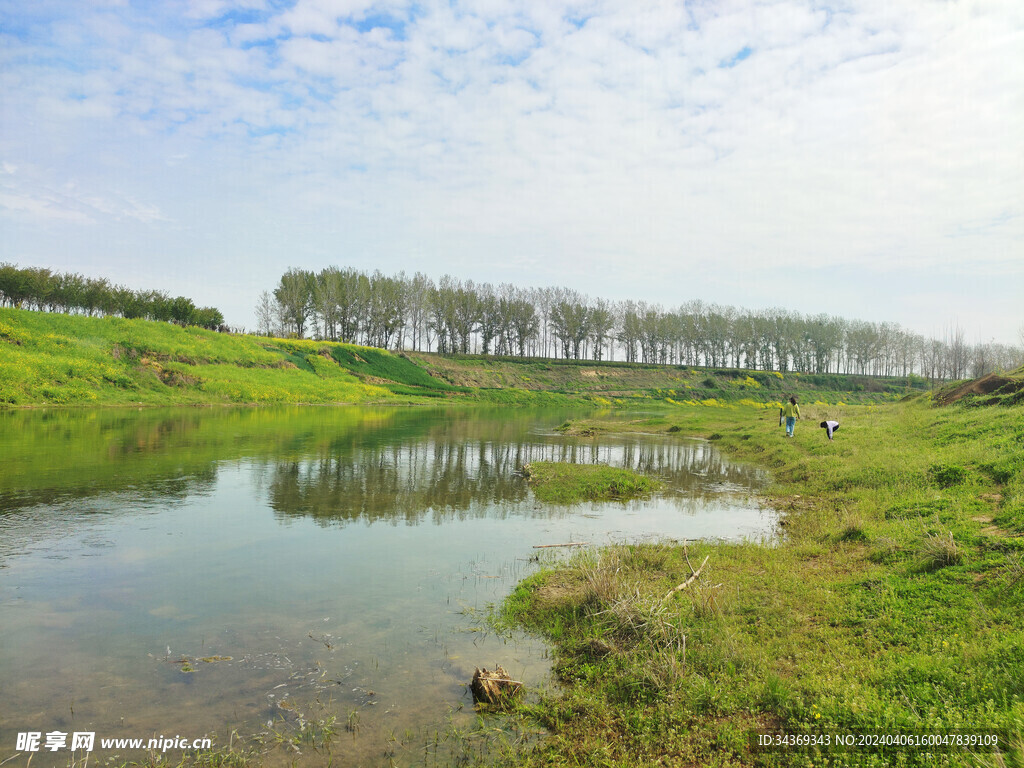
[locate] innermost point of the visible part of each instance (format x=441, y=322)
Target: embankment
x=55, y=359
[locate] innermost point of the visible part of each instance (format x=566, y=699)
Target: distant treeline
x=452, y=316
x=40, y=289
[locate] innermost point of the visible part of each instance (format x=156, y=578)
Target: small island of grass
x=566, y=483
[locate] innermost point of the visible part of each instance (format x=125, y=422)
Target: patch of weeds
x=1012, y=571
x=938, y=551
x=947, y=475
x=777, y=694
x=852, y=533
x=646, y=557
x=886, y=550
x=1002, y=471
x=915, y=509
x=352, y=724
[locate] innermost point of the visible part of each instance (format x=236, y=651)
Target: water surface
x=338, y=556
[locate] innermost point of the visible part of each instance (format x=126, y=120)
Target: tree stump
x=494, y=688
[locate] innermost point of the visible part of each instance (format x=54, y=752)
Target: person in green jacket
x=792, y=412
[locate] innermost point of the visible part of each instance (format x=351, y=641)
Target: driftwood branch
x=689, y=581
x=567, y=544
x=686, y=554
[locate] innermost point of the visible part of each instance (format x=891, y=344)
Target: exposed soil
x=986, y=385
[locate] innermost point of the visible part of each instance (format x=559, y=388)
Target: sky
x=862, y=159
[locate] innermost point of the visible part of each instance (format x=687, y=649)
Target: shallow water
x=338, y=556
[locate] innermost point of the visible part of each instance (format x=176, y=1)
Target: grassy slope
x=893, y=605
x=993, y=389
x=57, y=359
x=53, y=359
x=618, y=382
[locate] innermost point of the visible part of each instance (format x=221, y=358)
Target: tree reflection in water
x=437, y=479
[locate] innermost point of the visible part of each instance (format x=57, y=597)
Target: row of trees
x=453, y=316
x=40, y=289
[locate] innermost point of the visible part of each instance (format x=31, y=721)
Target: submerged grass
x=892, y=606
x=302, y=741
x=567, y=483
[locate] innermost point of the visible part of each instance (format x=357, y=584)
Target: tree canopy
x=41, y=289
x=453, y=316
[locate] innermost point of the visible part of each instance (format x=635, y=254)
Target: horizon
x=948, y=333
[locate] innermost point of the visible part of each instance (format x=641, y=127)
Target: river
x=196, y=572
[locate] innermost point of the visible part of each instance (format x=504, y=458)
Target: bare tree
x=957, y=353
x=267, y=315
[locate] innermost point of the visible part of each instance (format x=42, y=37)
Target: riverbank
x=68, y=360
x=891, y=606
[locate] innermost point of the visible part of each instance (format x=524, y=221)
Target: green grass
x=567, y=483
x=55, y=359
x=647, y=385
x=380, y=363
x=52, y=359
x=232, y=384
x=519, y=397
x=894, y=603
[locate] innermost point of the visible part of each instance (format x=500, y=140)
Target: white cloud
x=27, y=192
x=41, y=208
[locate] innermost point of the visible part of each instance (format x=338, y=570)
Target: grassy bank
x=55, y=359
x=621, y=383
x=565, y=483
x=892, y=605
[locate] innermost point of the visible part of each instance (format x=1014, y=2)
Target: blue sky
x=863, y=159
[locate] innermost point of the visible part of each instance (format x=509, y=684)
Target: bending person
x=829, y=427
